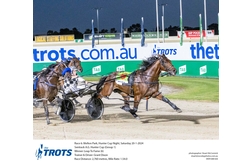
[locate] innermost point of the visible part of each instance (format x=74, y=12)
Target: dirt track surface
x=198, y=121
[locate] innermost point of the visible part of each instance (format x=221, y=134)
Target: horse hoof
x=47, y=121
x=138, y=118
x=178, y=110
x=135, y=116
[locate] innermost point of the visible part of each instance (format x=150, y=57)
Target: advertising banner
x=148, y=35
x=54, y=38
x=108, y=36
x=114, y=52
x=66, y=37
x=196, y=33
x=191, y=59
x=40, y=38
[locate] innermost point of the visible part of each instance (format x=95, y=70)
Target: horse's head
x=166, y=65
x=59, y=68
x=76, y=63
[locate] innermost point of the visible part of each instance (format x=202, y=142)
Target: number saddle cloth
x=122, y=78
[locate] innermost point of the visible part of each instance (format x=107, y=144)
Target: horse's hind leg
x=165, y=99
x=126, y=98
x=46, y=111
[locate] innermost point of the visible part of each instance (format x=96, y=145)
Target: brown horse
x=143, y=83
x=47, y=83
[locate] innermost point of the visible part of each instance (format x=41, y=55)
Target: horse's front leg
x=126, y=106
x=135, y=108
x=165, y=99
x=46, y=111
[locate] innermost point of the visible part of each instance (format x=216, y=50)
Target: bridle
x=163, y=64
x=74, y=64
x=161, y=60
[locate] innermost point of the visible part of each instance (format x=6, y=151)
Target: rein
x=49, y=84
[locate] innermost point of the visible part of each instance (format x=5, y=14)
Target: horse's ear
x=163, y=55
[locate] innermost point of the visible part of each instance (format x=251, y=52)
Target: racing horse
x=143, y=83
x=47, y=82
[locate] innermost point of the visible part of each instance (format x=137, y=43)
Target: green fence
x=184, y=68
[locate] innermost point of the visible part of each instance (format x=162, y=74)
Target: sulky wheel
x=67, y=110
x=95, y=108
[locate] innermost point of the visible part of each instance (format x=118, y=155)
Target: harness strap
x=156, y=82
x=156, y=95
x=49, y=84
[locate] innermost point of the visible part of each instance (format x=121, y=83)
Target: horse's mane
x=48, y=69
x=147, y=62
x=67, y=62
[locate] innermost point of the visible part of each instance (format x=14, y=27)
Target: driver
x=71, y=80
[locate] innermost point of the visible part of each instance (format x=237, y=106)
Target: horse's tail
x=100, y=84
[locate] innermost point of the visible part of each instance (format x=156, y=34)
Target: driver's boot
x=76, y=102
